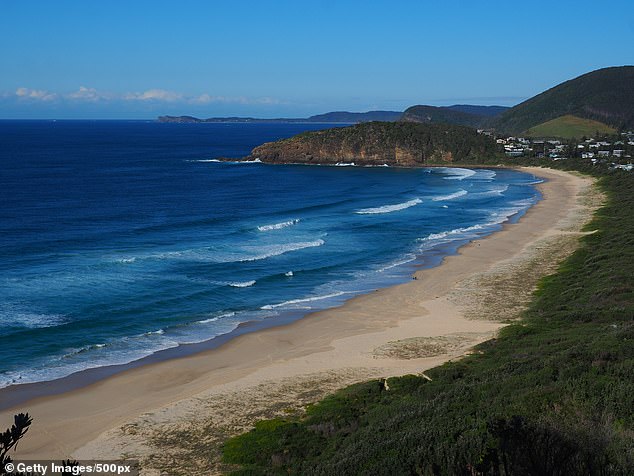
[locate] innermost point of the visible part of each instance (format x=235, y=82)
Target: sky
x=137, y=59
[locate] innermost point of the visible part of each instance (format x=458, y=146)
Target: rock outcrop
x=380, y=143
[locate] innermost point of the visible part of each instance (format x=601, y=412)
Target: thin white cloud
x=268, y=101
x=154, y=95
x=87, y=94
x=208, y=99
x=37, y=94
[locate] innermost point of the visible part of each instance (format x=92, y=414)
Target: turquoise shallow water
x=119, y=239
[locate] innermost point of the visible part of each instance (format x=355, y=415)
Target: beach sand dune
x=174, y=414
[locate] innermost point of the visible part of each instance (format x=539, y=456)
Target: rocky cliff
x=378, y=143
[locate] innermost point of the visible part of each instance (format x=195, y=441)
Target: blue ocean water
x=122, y=238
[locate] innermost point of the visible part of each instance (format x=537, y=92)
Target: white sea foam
x=407, y=259
x=236, y=255
x=126, y=260
x=293, y=302
x=497, y=217
x=496, y=192
x=17, y=316
x=456, y=231
x=254, y=161
x=451, y=196
x=345, y=164
x=216, y=318
x=484, y=174
x=288, y=273
x=389, y=208
x=458, y=174
x=244, y=284
x=276, y=250
x=279, y=226
x=119, y=351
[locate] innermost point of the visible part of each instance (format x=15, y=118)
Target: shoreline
x=333, y=340
x=18, y=394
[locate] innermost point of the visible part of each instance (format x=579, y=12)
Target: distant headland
x=343, y=117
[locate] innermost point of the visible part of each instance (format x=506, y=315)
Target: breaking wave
x=389, y=208
x=451, y=196
x=279, y=226
x=458, y=174
x=244, y=284
x=301, y=301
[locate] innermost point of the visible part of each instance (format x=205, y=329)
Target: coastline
x=358, y=340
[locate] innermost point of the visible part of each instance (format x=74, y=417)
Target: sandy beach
x=148, y=413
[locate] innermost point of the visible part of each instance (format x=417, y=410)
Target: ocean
x=119, y=239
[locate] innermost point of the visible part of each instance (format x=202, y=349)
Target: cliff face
x=378, y=143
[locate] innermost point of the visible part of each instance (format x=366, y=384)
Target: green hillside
x=605, y=95
x=444, y=115
x=568, y=127
x=355, y=117
x=488, y=111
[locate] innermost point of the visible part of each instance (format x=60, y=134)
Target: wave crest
x=458, y=173
x=277, y=250
x=279, y=226
x=244, y=284
x=389, y=208
x=451, y=196
x=301, y=301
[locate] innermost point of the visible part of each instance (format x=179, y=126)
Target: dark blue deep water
x=121, y=238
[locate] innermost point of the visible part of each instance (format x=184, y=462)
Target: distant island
x=342, y=117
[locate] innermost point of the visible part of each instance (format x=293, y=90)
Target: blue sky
x=139, y=59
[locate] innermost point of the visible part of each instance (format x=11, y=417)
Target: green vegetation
x=605, y=95
x=377, y=143
x=552, y=395
x=444, y=115
x=568, y=127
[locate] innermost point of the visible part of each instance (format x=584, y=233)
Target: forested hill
x=353, y=117
x=445, y=115
x=378, y=143
x=487, y=111
x=605, y=95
